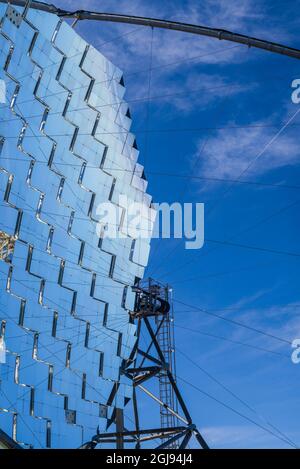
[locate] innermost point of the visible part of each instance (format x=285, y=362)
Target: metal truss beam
x=172, y=440
x=216, y=33
x=186, y=440
x=155, y=398
x=138, y=374
x=7, y=442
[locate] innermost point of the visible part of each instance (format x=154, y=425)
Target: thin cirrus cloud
x=195, y=91
x=235, y=436
x=277, y=320
x=244, y=16
x=232, y=151
x=171, y=46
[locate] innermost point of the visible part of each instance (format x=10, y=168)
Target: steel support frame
x=138, y=375
x=173, y=433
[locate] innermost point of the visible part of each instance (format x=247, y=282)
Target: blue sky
x=217, y=111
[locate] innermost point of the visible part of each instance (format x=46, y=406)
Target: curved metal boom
x=221, y=34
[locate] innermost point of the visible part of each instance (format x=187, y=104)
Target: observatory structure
x=65, y=288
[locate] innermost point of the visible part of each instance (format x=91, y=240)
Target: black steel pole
x=200, y=439
x=151, y=343
x=169, y=442
x=154, y=340
x=185, y=440
x=119, y=428
x=136, y=417
x=217, y=33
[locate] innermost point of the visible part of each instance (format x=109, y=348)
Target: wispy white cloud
x=246, y=301
x=196, y=90
x=128, y=46
x=174, y=47
x=232, y=151
x=240, y=437
x=278, y=320
x=243, y=16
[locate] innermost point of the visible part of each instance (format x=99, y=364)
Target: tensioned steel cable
x=60, y=371
x=246, y=230
x=220, y=34
x=234, y=322
x=226, y=319
x=225, y=272
x=104, y=275
x=132, y=73
x=88, y=244
x=209, y=312
x=115, y=323
x=236, y=411
x=54, y=354
x=79, y=343
x=234, y=308
x=223, y=318
x=110, y=79
x=257, y=157
x=127, y=101
x=233, y=394
x=226, y=405
x=66, y=342
x=101, y=274
x=232, y=341
x=109, y=41
x=143, y=131
x=51, y=354
x=78, y=208
x=195, y=163
x=76, y=317
x=119, y=103
x=60, y=308
x=77, y=264
x=156, y=173
x=23, y=420
x=255, y=248
x=70, y=187
x=148, y=97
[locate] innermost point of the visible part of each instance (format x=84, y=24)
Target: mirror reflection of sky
x=220, y=128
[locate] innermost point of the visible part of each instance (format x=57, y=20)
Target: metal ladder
x=165, y=339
